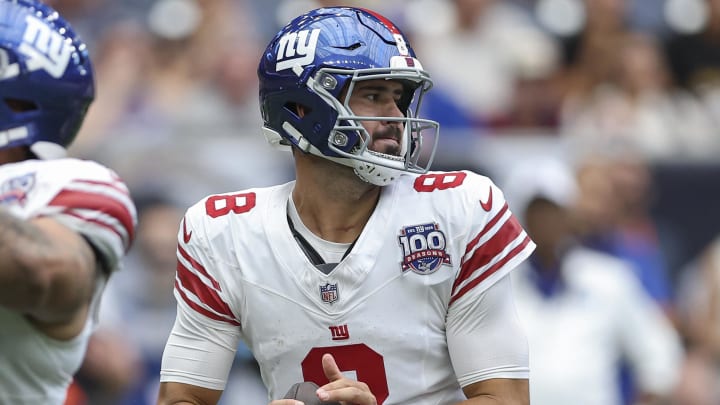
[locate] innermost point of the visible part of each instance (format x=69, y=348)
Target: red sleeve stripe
x=199, y=267
x=117, y=185
x=490, y=250
x=200, y=309
x=72, y=199
x=104, y=223
x=489, y=271
x=207, y=295
x=487, y=227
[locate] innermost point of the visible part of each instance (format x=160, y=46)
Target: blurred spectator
x=695, y=58
x=612, y=215
x=478, y=49
x=122, y=61
x=699, y=315
x=182, y=69
x=622, y=90
x=584, y=311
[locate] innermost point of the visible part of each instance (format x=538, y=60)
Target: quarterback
x=377, y=279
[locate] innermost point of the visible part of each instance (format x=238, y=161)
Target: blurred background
x=626, y=93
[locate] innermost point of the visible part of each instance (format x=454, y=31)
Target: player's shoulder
x=450, y=185
x=69, y=169
x=459, y=180
x=71, y=165
x=251, y=202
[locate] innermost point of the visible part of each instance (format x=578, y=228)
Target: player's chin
x=386, y=147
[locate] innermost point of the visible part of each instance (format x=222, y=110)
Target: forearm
x=46, y=269
x=492, y=400
x=21, y=246
x=498, y=391
x=172, y=393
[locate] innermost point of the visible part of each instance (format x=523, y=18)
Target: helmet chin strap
x=48, y=150
x=375, y=174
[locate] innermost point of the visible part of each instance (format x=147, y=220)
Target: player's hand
x=340, y=388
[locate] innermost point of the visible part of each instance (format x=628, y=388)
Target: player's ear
x=299, y=109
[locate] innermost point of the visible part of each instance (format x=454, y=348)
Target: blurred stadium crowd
x=625, y=92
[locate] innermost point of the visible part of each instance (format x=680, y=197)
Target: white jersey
x=398, y=313
x=578, y=336
x=92, y=200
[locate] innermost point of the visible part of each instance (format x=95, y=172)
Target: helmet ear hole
x=298, y=110
x=17, y=105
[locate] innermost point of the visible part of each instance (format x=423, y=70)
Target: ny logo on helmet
x=45, y=48
x=297, y=49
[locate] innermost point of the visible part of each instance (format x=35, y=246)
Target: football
x=305, y=392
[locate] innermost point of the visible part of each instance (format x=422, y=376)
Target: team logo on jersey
x=339, y=332
x=329, y=293
x=15, y=190
x=297, y=48
x=423, y=248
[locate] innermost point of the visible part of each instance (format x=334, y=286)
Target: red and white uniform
x=91, y=200
x=408, y=311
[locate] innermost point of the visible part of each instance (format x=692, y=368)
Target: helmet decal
x=44, y=48
x=297, y=49
x=399, y=38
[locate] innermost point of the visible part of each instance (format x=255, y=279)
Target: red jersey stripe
x=204, y=292
x=490, y=271
x=487, y=227
x=485, y=253
x=70, y=199
x=99, y=222
x=199, y=267
x=200, y=309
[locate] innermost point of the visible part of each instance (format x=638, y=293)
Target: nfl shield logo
x=329, y=293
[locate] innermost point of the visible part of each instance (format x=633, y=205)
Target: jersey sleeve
x=197, y=282
x=485, y=338
x=203, y=341
x=96, y=203
x=495, y=243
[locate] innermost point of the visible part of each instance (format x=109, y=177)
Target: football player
x=64, y=223
x=376, y=279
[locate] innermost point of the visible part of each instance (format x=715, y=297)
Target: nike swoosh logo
x=487, y=205
x=186, y=235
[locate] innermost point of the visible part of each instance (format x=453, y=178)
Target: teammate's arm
x=47, y=271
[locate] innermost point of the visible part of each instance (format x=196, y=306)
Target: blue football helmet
x=46, y=79
x=324, y=52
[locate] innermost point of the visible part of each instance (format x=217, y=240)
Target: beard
x=387, y=140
